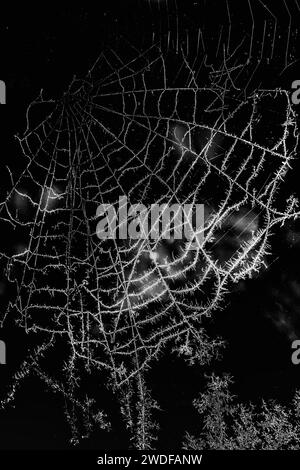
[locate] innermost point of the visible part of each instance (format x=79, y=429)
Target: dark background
x=43, y=47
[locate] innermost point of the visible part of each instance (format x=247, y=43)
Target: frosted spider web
x=137, y=129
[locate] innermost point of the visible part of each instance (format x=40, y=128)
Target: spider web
x=147, y=129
